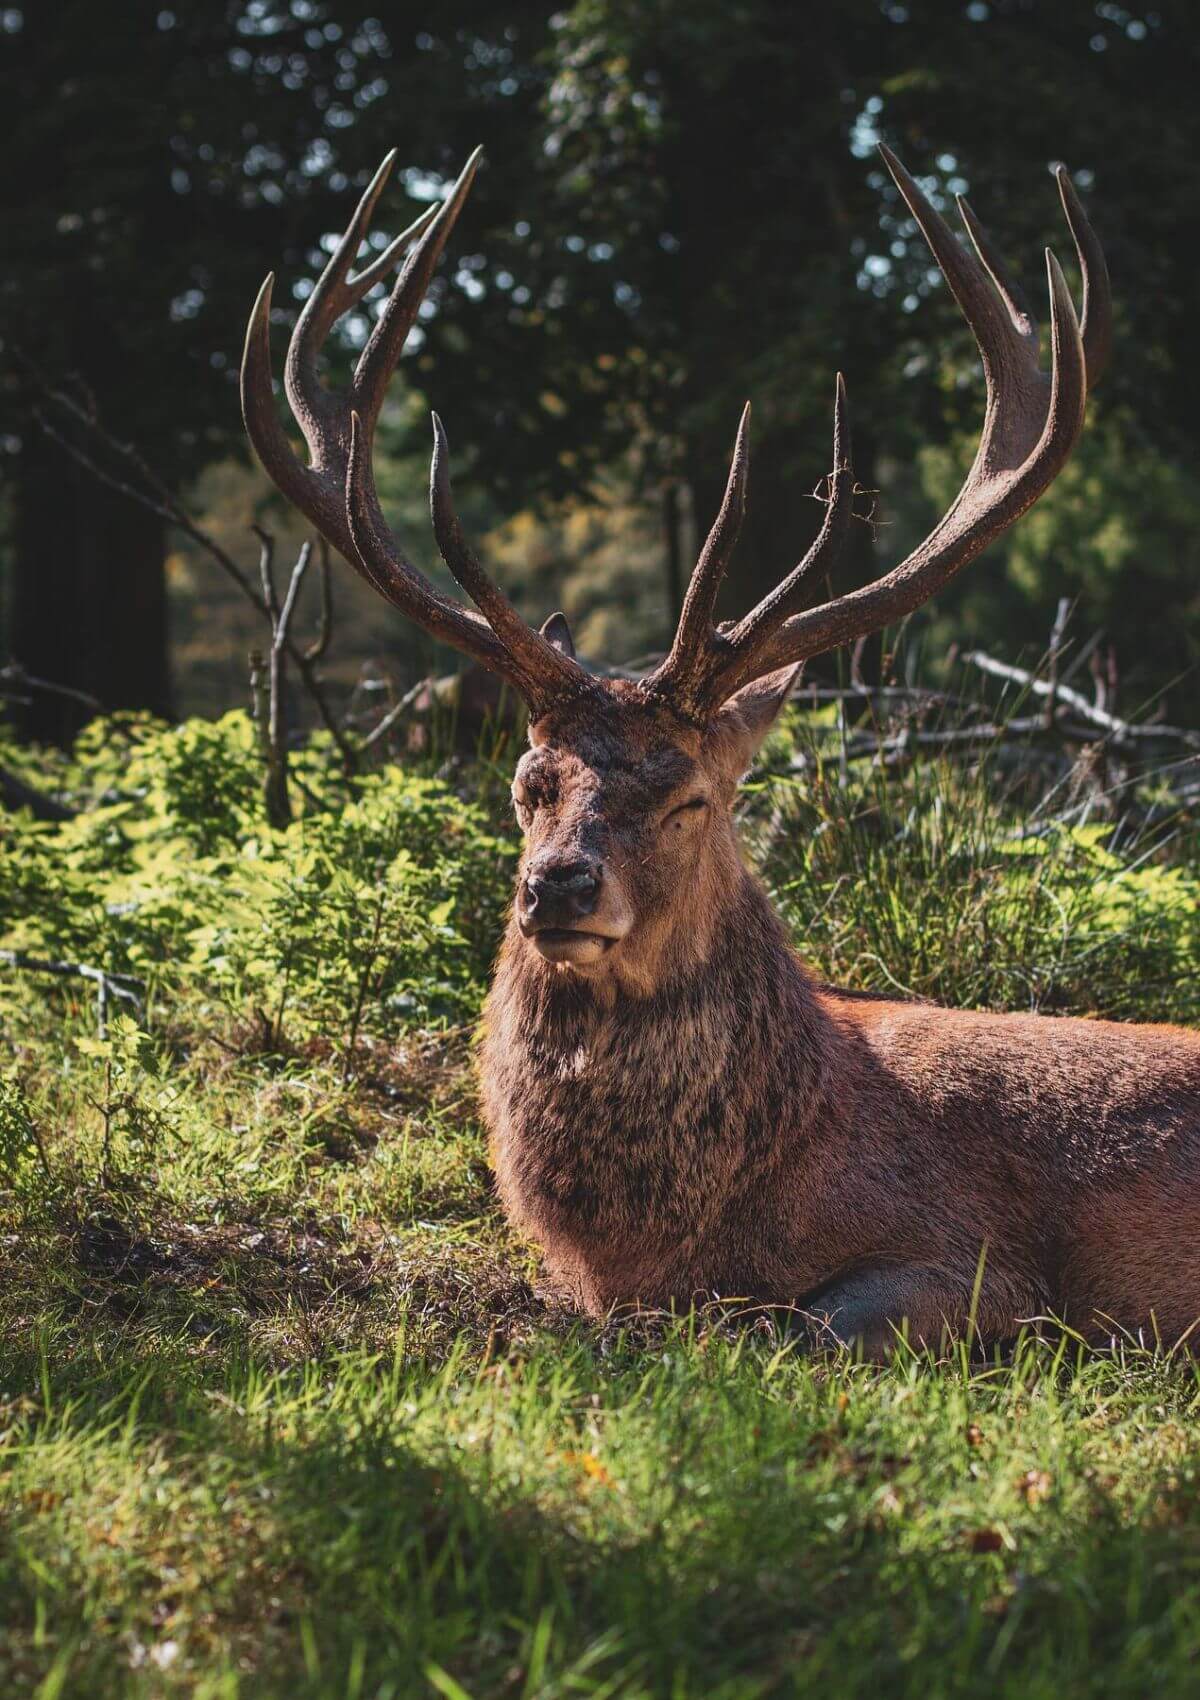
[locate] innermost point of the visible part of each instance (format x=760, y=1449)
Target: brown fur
x=693, y=1115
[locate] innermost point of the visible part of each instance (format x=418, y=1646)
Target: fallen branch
x=393, y=714
x=1121, y=731
x=108, y=985
x=860, y=746
x=914, y=697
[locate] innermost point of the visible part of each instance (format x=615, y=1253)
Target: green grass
x=283, y=1408
x=594, y=1513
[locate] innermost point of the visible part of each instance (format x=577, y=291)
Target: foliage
x=681, y=206
x=718, y=164
x=1111, y=533
x=18, y=1133
x=138, y=1106
x=380, y=904
x=938, y=883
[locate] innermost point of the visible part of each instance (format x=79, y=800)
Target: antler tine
x=358, y=285
x=337, y=490
x=1096, y=319
x=404, y=586
x=384, y=345
x=987, y=313
x=705, y=666
x=316, y=489
x=335, y=292
x=752, y=634
x=268, y=436
x=1009, y=289
x=1031, y=424
x=547, y=671
x=682, y=673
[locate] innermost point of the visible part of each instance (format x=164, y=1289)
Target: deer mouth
x=570, y=944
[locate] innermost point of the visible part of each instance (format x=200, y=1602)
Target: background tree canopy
x=681, y=207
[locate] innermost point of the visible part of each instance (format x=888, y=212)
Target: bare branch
x=320, y=643
x=1121, y=730
x=126, y=987
x=377, y=733
x=1053, y=654
x=151, y=491
x=15, y=681
x=284, y=617
x=16, y=794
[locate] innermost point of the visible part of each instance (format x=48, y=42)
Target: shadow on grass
x=124, y=1275
x=355, y=1526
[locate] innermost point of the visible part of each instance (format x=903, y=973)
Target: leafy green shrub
x=387, y=908
x=380, y=905
x=934, y=884
x=138, y=1103
x=22, y=1155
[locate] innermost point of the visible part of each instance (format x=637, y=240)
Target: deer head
x=626, y=793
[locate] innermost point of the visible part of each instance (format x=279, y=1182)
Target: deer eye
x=692, y=806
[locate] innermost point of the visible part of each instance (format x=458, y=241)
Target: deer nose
x=557, y=893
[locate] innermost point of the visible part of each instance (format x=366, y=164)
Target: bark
x=88, y=597
x=672, y=520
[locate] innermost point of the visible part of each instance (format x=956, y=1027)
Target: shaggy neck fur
x=632, y=1113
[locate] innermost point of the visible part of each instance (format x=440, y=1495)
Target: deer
x=678, y=1110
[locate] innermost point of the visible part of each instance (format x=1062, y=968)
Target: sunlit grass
x=657, y=1513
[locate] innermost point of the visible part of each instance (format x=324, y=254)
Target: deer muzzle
x=557, y=910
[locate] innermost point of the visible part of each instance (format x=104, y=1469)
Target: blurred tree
x=681, y=207
x=717, y=164
x=144, y=190
x=161, y=156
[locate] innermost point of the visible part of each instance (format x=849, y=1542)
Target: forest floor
x=285, y=1413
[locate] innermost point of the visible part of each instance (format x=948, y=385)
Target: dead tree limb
x=380, y=731
x=1120, y=731
x=1054, y=655
x=139, y=481
x=126, y=987
x=17, y=684
x=269, y=686
x=16, y=794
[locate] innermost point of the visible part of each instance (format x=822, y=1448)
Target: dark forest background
x=681, y=207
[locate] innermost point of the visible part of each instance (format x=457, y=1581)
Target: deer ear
x=744, y=721
x=557, y=634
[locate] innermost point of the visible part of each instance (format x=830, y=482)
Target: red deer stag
x=677, y=1108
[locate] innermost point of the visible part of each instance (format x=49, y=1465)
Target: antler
x=336, y=490
x=1031, y=422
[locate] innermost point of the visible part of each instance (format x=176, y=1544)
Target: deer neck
x=624, y=1128
x=713, y=1001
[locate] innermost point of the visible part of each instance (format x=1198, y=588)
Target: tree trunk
x=672, y=519
x=88, y=597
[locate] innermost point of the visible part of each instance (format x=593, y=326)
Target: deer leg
x=871, y=1307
